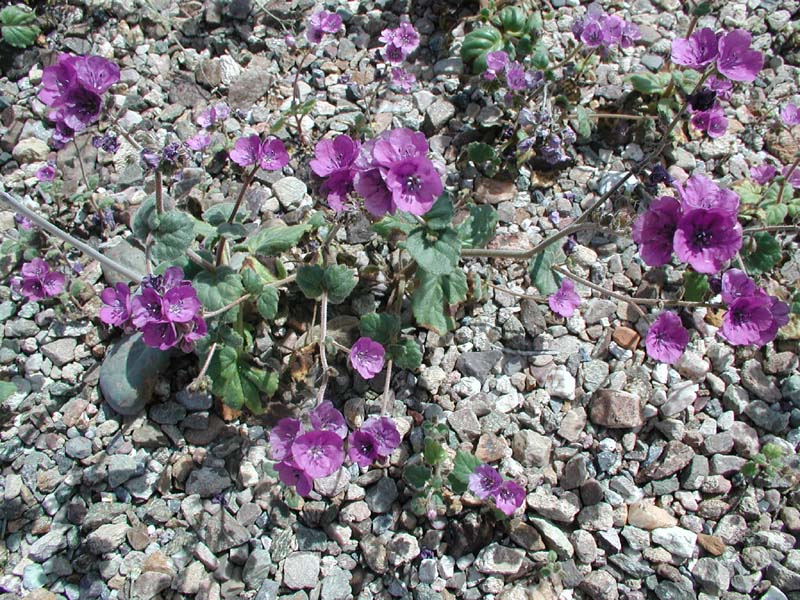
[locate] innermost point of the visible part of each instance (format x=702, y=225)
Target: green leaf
x=251, y=281
x=436, y=252
x=794, y=209
x=477, y=44
x=749, y=192
x=145, y=220
x=433, y=295
x=772, y=451
x=406, y=354
x=583, y=125
x=417, y=475
x=702, y=9
x=542, y=274
x=237, y=383
x=464, y=465
x=267, y=303
x=480, y=152
x=20, y=36
x=7, y=389
x=479, y=227
x=775, y=214
x=218, y=289
x=695, y=286
x=454, y=286
x=337, y=280
x=389, y=223
x=686, y=80
x=218, y=214
x=433, y=453
x=275, y=240
x=381, y=327
x=649, y=83
x=440, y=216
x=765, y=256
x=172, y=237
x=17, y=14
x=750, y=469
x=232, y=231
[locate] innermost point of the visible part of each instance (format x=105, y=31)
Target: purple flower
x=106, y=142
x=667, y=338
x=333, y=160
x=321, y=23
x=654, y=230
x=404, y=36
x=146, y=308
x=385, y=433
x=721, y=86
x=707, y=238
x=790, y=115
x=198, y=142
x=565, y=300
x=763, y=174
x=717, y=123
x=159, y=334
x=746, y=318
x=326, y=418
x=282, y=437
x=192, y=331
x=293, y=476
x=367, y=357
x=218, y=112
x=509, y=497
x=393, y=54
x=318, y=453
x=613, y=27
x=290, y=41
x=592, y=35
x=39, y=282
x=180, y=304
x=95, y=73
x=23, y=222
x=117, y=305
x=697, y=52
x=495, y=63
x=150, y=160
x=485, y=481
x=403, y=79
x=56, y=80
x=46, y=173
x=415, y=185
x=79, y=108
x=515, y=76
x=395, y=145
x=736, y=60
x=377, y=197
x=793, y=176
x=362, y=448
x=700, y=192
x=630, y=34
x=270, y=155
x=736, y=284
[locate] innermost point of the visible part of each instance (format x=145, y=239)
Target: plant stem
x=63, y=235
x=795, y=228
x=159, y=193
x=323, y=355
x=296, y=95
x=196, y=383
x=238, y=301
x=128, y=137
x=248, y=180
x=568, y=57
x=526, y=254
x=386, y=409
x=511, y=292
x=615, y=116
x=199, y=260
x=602, y=290
x=83, y=176
x=791, y=170
x=580, y=69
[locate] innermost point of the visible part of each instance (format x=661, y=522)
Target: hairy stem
x=159, y=193
x=323, y=355
x=248, y=180
x=63, y=235
x=777, y=228
x=238, y=301
x=83, y=176
x=386, y=408
x=602, y=290
x=199, y=260
x=195, y=385
x=791, y=170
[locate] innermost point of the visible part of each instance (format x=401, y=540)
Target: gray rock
x=600, y=585
x=257, y=568
x=126, y=255
x=785, y=579
x=168, y=413
x=402, y=549
x=712, y=575
x=554, y=537
x=336, y=585
x=121, y=468
x=208, y=481
x=695, y=474
x=585, y=546
x=745, y=439
x=78, y=448
x=560, y=383
x=195, y=401
x=49, y=545
x=531, y=448
x=499, y=560
x=465, y=423
x=60, y=352
x=575, y=473
x=268, y=591
x=573, y=424
x=437, y=115
x=598, y=517
x=719, y=443
x=129, y=374
x=599, y=309
x=222, y=532
x=334, y=484
x=764, y=417
x=150, y=584
x=616, y=410
x=674, y=457
x=552, y=507
x=290, y=192
x=101, y=513
x=381, y=496
x=249, y=87
x=676, y=540
x=680, y=398
x=478, y=364
x=191, y=578
x=301, y=570
x=107, y=538
x=757, y=383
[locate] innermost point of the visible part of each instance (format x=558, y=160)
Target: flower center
x=702, y=238
x=413, y=183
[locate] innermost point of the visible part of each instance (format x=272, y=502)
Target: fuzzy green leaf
x=218, y=289
x=479, y=227
x=749, y=192
x=17, y=14
x=145, y=220
x=464, y=465
x=237, y=382
x=440, y=216
x=436, y=252
x=337, y=280
x=381, y=327
x=20, y=36
x=406, y=354
x=542, y=274
x=172, y=237
x=695, y=286
x=417, y=475
x=433, y=452
x=433, y=296
x=765, y=256
x=275, y=240
x=218, y=214
x=267, y=303
x=649, y=83
x=775, y=214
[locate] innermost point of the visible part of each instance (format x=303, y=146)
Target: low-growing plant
x=18, y=26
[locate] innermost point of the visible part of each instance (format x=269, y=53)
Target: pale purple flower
x=395, y=145
x=592, y=35
x=385, y=433
x=116, y=309
x=150, y=159
x=159, y=334
x=415, y=185
x=290, y=41
x=613, y=27
x=406, y=37
x=192, y=331
x=318, y=453
x=721, y=86
x=46, y=173
x=362, y=448
x=23, y=222
x=180, y=304
x=509, y=497
x=654, y=230
x=495, y=63
x=326, y=418
x=700, y=192
x=79, y=108
x=321, y=23
x=736, y=284
x=218, y=112
x=95, y=73
x=282, y=437
x=667, y=338
x=754, y=319
x=763, y=174
x=736, y=60
x=717, y=124
x=565, y=300
x=39, y=281
x=403, y=79
x=199, y=141
x=707, y=239
x=367, y=357
x=293, y=476
x=485, y=481
x=792, y=175
x=790, y=115
x=377, y=197
x=630, y=34
x=515, y=76
x=334, y=161
x=393, y=54
x=697, y=52
x=270, y=154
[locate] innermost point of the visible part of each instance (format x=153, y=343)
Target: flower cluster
x=730, y=51
x=319, y=451
x=73, y=87
x=321, y=23
x=399, y=42
x=389, y=172
x=753, y=316
x=38, y=281
x=166, y=310
x=763, y=174
x=46, y=173
x=516, y=76
x=485, y=482
x=367, y=357
x=206, y=120
x=702, y=229
x=598, y=29
x=270, y=155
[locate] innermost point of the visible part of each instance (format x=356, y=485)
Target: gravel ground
x=631, y=467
